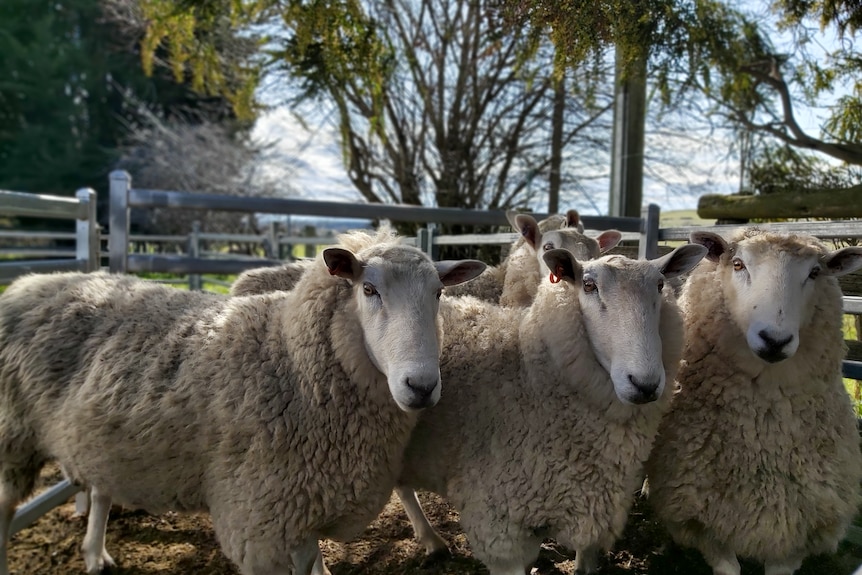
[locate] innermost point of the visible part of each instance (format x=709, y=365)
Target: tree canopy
x=70, y=86
x=727, y=54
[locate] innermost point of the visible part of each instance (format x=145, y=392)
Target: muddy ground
x=144, y=544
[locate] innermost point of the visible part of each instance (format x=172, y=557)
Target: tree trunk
x=554, y=180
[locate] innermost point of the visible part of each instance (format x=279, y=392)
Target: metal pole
x=648, y=244
x=118, y=220
x=626, y=194
x=87, y=231
x=195, y=282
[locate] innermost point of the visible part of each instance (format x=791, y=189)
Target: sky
x=311, y=162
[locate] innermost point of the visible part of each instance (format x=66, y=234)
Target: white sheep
x=526, y=268
x=549, y=412
x=759, y=456
x=270, y=279
x=514, y=281
x=275, y=413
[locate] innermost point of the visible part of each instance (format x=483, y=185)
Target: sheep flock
x=535, y=397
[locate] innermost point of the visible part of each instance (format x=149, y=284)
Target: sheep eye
x=548, y=246
x=590, y=286
x=660, y=286
x=368, y=289
x=738, y=266
x=814, y=273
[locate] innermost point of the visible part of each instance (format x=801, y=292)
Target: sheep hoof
x=437, y=557
x=101, y=565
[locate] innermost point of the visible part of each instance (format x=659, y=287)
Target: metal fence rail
x=81, y=208
x=645, y=230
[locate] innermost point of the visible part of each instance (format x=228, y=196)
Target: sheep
x=525, y=265
x=283, y=415
x=549, y=411
x=759, y=456
x=270, y=279
x=514, y=281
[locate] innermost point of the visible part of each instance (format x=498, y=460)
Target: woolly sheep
x=514, y=281
x=270, y=279
x=550, y=411
x=525, y=264
x=275, y=413
x=759, y=456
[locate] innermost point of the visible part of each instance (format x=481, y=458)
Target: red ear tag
x=555, y=279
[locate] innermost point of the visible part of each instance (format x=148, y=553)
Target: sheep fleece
x=529, y=439
x=168, y=399
x=764, y=459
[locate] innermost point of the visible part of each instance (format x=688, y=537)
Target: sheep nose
x=422, y=392
x=773, y=347
x=646, y=390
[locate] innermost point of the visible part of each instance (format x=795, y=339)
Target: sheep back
x=269, y=279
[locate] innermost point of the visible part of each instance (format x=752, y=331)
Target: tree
x=70, y=84
x=435, y=100
x=197, y=156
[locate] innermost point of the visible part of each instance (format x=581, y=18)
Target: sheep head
x=620, y=303
x=770, y=281
x=569, y=237
x=396, y=289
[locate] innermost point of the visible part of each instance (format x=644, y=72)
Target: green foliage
x=781, y=169
x=210, y=44
x=69, y=87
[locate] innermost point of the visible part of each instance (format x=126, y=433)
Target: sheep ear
x=510, y=216
x=844, y=261
x=714, y=243
x=454, y=272
x=563, y=264
x=573, y=220
x=342, y=263
x=608, y=240
x=527, y=227
x=681, y=260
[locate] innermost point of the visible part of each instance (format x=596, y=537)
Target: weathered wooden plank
x=838, y=203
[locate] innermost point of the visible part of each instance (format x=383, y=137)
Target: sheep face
x=620, y=303
x=396, y=290
x=568, y=237
x=770, y=282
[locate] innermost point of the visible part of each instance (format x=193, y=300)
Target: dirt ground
x=144, y=544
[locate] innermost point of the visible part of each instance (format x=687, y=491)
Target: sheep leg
x=507, y=568
x=7, y=512
x=17, y=480
x=786, y=567
x=722, y=560
x=305, y=557
x=425, y=534
x=319, y=565
x=95, y=555
x=586, y=560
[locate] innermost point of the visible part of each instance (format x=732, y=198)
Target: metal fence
x=644, y=230
x=81, y=209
